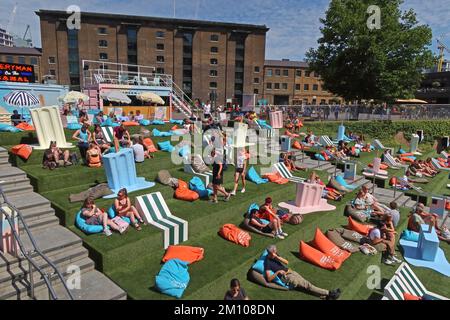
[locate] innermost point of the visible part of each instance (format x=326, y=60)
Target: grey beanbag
x=258, y=278
x=337, y=239
x=358, y=215
x=352, y=236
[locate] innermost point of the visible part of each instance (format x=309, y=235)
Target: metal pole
x=30, y=271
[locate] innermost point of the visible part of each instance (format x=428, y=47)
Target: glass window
x=213, y=85
x=103, y=56
x=307, y=73
x=160, y=70
x=284, y=86
x=278, y=72
x=160, y=46
x=22, y=60
x=285, y=73
x=316, y=87
x=102, y=31
x=298, y=73
x=33, y=61
x=269, y=72
x=277, y=86
x=213, y=73
x=256, y=80
x=269, y=85
x=52, y=72
x=256, y=91
x=160, y=34
x=214, y=61
x=51, y=60
x=214, y=50
x=160, y=58
x=297, y=87
x=103, y=43
x=214, y=37
x=257, y=69
x=306, y=87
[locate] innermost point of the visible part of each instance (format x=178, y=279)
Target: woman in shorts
x=96, y=217
x=240, y=171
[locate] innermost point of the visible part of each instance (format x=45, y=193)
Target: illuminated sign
x=14, y=72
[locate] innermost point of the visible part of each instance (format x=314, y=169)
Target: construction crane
x=11, y=19
x=442, y=48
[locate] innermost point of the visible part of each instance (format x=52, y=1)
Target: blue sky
x=294, y=24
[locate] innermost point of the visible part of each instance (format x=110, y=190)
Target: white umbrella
x=150, y=97
x=74, y=96
x=22, y=99
x=116, y=96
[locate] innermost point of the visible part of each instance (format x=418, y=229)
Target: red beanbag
x=276, y=178
x=25, y=127
x=382, y=166
x=22, y=150
x=130, y=124
x=410, y=297
x=184, y=253
x=363, y=229
x=150, y=145
x=297, y=145
x=184, y=193
x=325, y=245
x=318, y=258
x=233, y=234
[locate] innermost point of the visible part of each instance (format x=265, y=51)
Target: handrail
x=36, y=250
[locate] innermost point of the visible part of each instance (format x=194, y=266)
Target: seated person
x=99, y=118
x=392, y=210
x=310, y=138
x=419, y=217
x=328, y=193
x=360, y=204
x=94, y=156
x=286, y=159
x=267, y=212
x=16, y=118
x=278, y=265
x=236, y=292
x=122, y=136
x=140, y=154
x=112, y=116
x=262, y=225
x=124, y=117
x=124, y=208
x=132, y=116
x=96, y=217
x=372, y=202
x=429, y=164
x=138, y=117
x=57, y=155
x=84, y=120
x=147, y=153
x=100, y=141
x=83, y=136
x=297, y=125
x=382, y=237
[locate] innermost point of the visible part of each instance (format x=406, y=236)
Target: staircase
x=183, y=103
x=61, y=246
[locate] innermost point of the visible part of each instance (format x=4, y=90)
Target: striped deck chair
x=444, y=154
x=155, y=211
x=285, y=173
x=206, y=176
x=378, y=145
x=325, y=141
x=438, y=166
x=405, y=281
x=390, y=161
x=108, y=133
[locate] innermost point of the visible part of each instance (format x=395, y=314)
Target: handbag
x=122, y=224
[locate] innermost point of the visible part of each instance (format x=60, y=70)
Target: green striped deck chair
x=155, y=212
x=405, y=281
x=108, y=133
x=285, y=173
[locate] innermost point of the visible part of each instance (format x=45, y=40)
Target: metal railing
x=35, y=251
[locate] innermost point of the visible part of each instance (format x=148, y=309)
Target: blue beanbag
x=259, y=267
x=264, y=125
x=145, y=122
x=74, y=126
x=8, y=128
x=344, y=183
x=179, y=122
x=157, y=133
x=80, y=222
x=319, y=157
x=196, y=184
x=109, y=123
x=166, y=146
x=158, y=122
x=252, y=206
x=410, y=236
x=184, y=151
x=254, y=177
x=173, y=278
x=112, y=214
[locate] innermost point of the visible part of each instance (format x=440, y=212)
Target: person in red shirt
x=122, y=136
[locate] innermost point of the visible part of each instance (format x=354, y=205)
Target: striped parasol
x=21, y=99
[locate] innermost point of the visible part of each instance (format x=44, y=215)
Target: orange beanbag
x=382, y=166
x=322, y=243
x=184, y=253
x=297, y=145
x=363, y=229
x=318, y=258
x=276, y=178
x=22, y=150
x=410, y=297
x=325, y=155
x=25, y=127
x=150, y=145
x=232, y=233
x=175, y=127
x=406, y=159
x=130, y=124
x=184, y=193
x=447, y=206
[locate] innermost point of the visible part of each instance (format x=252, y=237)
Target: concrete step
x=37, y=225
x=13, y=188
x=30, y=200
x=410, y=204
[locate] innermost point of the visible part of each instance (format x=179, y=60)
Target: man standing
x=207, y=109
x=276, y=264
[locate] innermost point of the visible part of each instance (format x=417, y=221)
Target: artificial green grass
x=132, y=260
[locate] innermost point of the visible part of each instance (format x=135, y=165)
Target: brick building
x=203, y=57
x=29, y=56
x=291, y=83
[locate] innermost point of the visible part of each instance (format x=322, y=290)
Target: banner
x=14, y=72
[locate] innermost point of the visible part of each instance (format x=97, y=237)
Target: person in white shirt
x=372, y=202
x=138, y=117
x=240, y=171
x=139, y=152
x=207, y=109
x=380, y=239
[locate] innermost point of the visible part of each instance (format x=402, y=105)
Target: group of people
x=422, y=168
x=419, y=217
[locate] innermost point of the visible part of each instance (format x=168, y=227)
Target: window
x=307, y=73
x=269, y=72
x=160, y=59
x=214, y=50
x=103, y=56
x=257, y=69
x=22, y=60
x=213, y=73
x=297, y=87
x=278, y=72
x=269, y=85
x=214, y=61
x=256, y=91
x=213, y=85
x=285, y=73
x=10, y=59
x=51, y=60
x=306, y=87
x=102, y=31
x=298, y=73
x=132, y=48
x=284, y=86
x=160, y=46
x=214, y=37
x=52, y=72
x=33, y=61
x=103, y=43
x=277, y=86
x=256, y=80
x=315, y=87
x=160, y=34
x=160, y=70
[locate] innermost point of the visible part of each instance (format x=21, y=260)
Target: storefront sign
x=14, y=72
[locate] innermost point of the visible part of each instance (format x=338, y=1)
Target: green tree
x=357, y=62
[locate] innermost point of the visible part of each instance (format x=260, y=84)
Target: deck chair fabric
x=285, y=173
x=108, y=134
x=405, y=281
x=325, y=141
x=438, y=166
x=390, y=161
x=155, y=211
x=378, y=145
